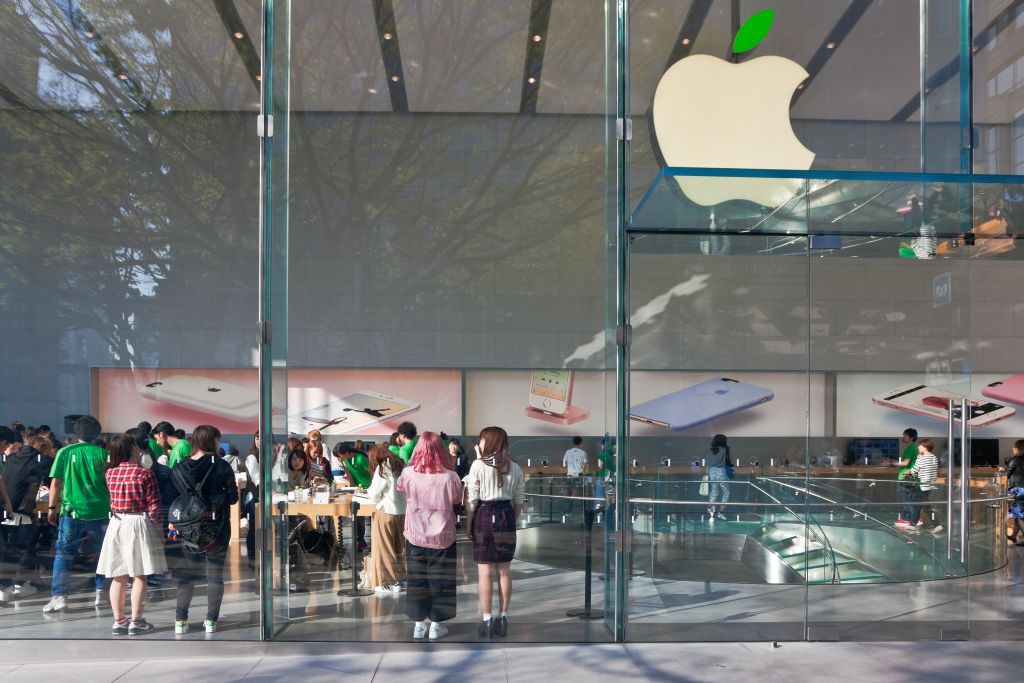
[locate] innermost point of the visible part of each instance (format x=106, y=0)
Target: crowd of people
x=152, y=503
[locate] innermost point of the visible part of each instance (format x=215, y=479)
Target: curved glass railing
x=779, y=529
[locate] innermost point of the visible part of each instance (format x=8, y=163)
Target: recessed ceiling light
x=531, y=79
x=537, y=38
x=800, y=87
x=388, y=36
x=394, y=79
x=239, y=35
x=685, y=41
x=259, y=77
x=830, y=46
x=372, y=91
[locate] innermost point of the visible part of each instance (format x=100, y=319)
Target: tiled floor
x=727, y=662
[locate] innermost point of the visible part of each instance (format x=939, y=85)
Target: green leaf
x=753, y=31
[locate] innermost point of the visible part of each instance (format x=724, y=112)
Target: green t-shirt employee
x=406, y=441
x=80, y=469
x=177, y=449
x=909, y=454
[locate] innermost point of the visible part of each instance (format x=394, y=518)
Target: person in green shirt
x=355, y=463
x=356, y=468
x=79, y=506
x=177, y=448
x=406, y=442
x=907, y=490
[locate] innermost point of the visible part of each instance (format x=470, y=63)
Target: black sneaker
x=139, y=627
x=486, y=628
x=120, y=628
x=500, y=627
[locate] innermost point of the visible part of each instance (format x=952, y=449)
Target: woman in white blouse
x=387, y=567
x=495, y=490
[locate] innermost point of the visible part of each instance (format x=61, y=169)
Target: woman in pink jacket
x=432, y=490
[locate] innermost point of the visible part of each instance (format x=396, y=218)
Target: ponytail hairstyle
x=495, y=452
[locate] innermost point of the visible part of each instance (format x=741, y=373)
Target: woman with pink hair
x=432, y=489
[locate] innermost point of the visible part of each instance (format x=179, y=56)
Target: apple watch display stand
x=573, y=415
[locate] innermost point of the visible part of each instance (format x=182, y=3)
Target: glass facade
x=738, y=271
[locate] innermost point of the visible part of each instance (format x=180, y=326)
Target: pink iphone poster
x=338, y=402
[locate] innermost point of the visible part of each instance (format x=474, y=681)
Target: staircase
x=812, y=559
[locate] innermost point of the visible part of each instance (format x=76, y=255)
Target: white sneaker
x=56, y=604
x=180, y=628
x=396, y=588
x=6, y=593
x=381, y=591
x=419, y=631
x=437, y=631
x=936, y=529
x=101, y=598
x=24, y=590
x=902, y=523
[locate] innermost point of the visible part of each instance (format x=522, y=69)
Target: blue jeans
x=71, y=533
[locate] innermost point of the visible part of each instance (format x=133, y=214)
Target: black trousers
x=190, y=569
x=430, y=583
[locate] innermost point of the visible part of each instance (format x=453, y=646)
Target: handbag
x=704, y=489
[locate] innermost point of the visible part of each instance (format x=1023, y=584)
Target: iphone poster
x=339, y=402
x=504, y=397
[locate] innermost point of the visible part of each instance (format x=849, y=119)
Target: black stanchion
x=355, y=591
x=587, y=612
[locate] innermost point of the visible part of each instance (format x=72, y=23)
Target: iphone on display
x=1009, y=389
x=351, y=413
x=551, y=391
x=701, y=402
x=212, y=396
x=921, y=399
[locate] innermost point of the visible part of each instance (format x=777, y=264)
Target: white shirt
x=383, y=493
x=574, y=461
x=483, y=484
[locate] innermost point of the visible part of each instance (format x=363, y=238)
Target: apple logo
x=712, y=113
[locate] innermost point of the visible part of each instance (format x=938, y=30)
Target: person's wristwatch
x=53, y=507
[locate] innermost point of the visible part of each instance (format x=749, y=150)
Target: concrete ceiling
x=463, y=57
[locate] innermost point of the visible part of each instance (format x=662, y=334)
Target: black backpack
x=191, y=514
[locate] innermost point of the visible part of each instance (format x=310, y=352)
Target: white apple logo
x=712, y=113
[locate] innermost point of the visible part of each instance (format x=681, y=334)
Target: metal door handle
x=949, y=480
x=965, y=475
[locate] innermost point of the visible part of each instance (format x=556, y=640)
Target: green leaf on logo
x=753, y=31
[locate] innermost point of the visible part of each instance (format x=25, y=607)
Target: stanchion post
x=355, y=591
x=588, y=566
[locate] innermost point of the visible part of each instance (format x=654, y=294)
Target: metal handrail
x=836, y=578
x=858, y=512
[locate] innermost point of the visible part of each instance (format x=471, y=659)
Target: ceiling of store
x=476, y=56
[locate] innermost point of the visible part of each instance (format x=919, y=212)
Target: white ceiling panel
x=873, y=73
x=178, y=52
x=653, y=29
x=464, y=56
x=572, y=79
x=336, y=62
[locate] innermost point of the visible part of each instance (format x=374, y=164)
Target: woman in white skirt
x=132, y=546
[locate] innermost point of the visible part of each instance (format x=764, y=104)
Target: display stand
x=355, y=591
x=573, y=415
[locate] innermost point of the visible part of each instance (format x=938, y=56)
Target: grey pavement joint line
x=137, y=665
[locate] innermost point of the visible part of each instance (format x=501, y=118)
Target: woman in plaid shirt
x=132, y=546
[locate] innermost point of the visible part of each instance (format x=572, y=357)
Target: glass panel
x=722, y=404
x=128, y=223
x=448, y=270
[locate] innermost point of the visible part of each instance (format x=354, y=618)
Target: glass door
x=722, y=407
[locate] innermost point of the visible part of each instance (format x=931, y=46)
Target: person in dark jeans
x=219, y=491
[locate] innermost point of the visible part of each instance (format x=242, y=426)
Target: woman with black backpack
x=201, y=516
